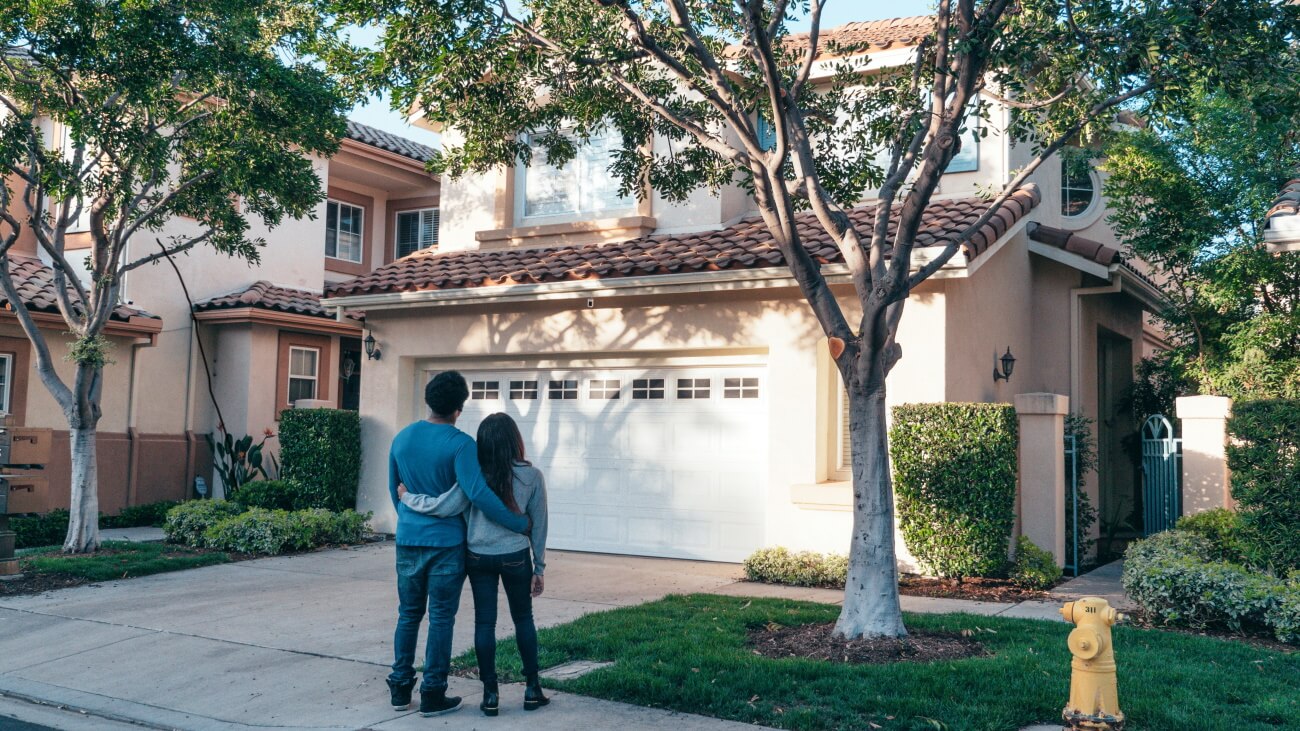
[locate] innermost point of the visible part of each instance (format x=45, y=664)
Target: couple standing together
x=463, y=509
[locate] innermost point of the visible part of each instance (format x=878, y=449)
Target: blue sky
x=378, y=113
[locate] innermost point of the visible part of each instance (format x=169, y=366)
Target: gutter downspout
x=1076, y=333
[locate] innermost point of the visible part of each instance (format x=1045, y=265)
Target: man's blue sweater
x=430, y=459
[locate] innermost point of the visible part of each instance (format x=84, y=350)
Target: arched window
x=1078, y=183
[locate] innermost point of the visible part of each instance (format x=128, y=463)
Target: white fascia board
x=1145, y=292
x=1087, y=266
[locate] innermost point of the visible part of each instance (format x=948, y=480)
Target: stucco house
x=668, y=376
x=268, y=341
x=1282, y=227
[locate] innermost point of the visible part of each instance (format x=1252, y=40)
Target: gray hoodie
x=488, y=537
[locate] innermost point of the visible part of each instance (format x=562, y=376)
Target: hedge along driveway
x=320, y=449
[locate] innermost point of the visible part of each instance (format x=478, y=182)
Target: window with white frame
x=343, y=227
x=740, y=388
x=523, y=390
x=1078, y=183
x=416, y=230
x=562, y=390
x=484, y=390
x=604, y=389
x=693, y=388
x=6, y=380
x=648, y=388
x=842, y=465
x=304, y=373
x=82, y=222
x=583, y=185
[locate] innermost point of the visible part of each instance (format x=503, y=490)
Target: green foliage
x=1034, y=568
x=271, y=495
x=1085, y=462
x=238, y=461
x=272, y=532
x=136, y=516
x=121, y=560
x=1222, y=528
x=955, y=474
x=186, y=523
x=1264, y=456
x=89, y=350
x=1284, y=616
x=320, y=449
x=40, y=530
x=805, y=568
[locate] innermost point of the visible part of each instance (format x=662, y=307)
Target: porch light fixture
x=1002, y=371
x=372, y=348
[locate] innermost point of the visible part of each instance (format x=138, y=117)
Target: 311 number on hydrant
x=1094, y=694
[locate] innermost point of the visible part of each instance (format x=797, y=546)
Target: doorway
x=350, y=373
x=1118, y=444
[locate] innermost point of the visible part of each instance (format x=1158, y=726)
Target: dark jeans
x=433, y=577
x=515, y=571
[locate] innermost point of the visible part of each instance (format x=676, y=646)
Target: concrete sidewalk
x=303, y=642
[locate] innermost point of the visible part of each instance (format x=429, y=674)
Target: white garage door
x=654, y=462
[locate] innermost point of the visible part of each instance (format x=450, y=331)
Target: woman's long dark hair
x=500, y=447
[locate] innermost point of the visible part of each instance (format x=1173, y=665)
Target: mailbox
x=24, y=494
x=22, y=445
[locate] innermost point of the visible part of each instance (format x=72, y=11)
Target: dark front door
x=350, y=360
x=1120, y=504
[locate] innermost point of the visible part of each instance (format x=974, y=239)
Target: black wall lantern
x=372, y=348
x=1008, y=364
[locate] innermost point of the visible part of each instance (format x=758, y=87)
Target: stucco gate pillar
x=1206, y=480
x=1042, y=470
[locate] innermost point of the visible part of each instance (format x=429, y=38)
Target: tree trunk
x=871, y=607
x=83, y=521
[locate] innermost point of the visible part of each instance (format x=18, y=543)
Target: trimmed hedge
x=271, y=495
x=273, y=532
x=36, y=531
x=1034, y=567
x=188, y=522
x=806, y=568
x=1264, y=455
x=137, y=516
x=955, y=476
x=1222, y=528
x=320, y=449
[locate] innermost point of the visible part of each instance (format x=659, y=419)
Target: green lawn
x=688, y=653
x=119, y=560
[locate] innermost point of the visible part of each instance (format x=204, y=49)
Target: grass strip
x=120, y=560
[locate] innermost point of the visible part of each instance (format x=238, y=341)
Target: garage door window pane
x=566, y=390
x=692, y=388
x=526, y=390
x=485, y=390
x=605, y=389
x=740, y=388
x=648, y=388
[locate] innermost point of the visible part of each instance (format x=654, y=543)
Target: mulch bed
x=985, y=590
x=815, y=642
x=39, y=583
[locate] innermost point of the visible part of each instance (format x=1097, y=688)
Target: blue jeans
x=431, y=576
x=515, y=572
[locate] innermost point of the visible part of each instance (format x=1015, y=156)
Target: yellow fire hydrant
x=1094, y=694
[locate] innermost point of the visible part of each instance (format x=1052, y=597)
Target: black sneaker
x=437, y=702
x=400, y=694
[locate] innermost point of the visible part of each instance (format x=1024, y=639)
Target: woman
x=500, y=555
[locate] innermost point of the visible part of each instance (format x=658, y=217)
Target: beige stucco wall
x=43, y=411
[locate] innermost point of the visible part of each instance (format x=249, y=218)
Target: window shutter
x=430, y=228
x=846, y=444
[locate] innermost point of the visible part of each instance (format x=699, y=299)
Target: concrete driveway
x=296, y=642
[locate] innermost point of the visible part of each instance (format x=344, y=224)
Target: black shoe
x=437, y=702
x=401, y=694
x=491, y=700
x=533, y=697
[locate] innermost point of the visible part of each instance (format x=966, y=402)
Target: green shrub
x=40, y=530
x=1085, y=462
x=1284, y=616
x=320, y=449
x=137, y=516
x=1222, y=528
x=1034, y=567
x=271, y=494
x=272, y=532
x=186, y=523
x=806, y=568
x=955, y=474
x=1264, y=455
x=1171, y=575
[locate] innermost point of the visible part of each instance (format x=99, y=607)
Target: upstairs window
x=1078, y=183
x=416, y=230
x=6, y=377
x=343, y=224
x=583, y=185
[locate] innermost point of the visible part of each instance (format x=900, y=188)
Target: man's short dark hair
x=446, y=394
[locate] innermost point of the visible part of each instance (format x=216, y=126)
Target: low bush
x=1222, y=528
x=1283, y=616
x=1034, y=568
x=1264, y=455
x=188, y=522
x=36, y=531
x=271, y=495
x=320, y=449
x=955, y=473
x=272, y=532
x=806, y=568
x=139, y=516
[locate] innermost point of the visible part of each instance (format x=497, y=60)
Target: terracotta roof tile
x=35, y=283
x=870, y=35
x=1287, y=202
x=1074, y=243
x=745, y=245
x=368, y=135
x=266, y=296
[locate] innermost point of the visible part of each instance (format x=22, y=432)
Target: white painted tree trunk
x=871, y=606
x=83, y=521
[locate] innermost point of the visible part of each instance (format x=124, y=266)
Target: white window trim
x=840, y=467
x=397, y=229
x=314, y=378
x=6, y=393
x=521, y=200
x=1092, y=204
x=361, y=248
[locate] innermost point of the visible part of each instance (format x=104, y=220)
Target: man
x=429, y=457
